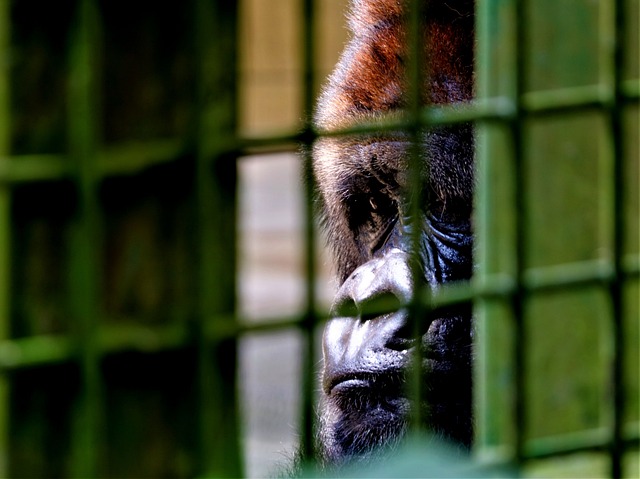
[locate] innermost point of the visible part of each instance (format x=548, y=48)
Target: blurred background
x=143, y=67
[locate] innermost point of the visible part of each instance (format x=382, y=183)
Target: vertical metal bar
x=5, y=224
x=416, y=64
x=215, y=30
x=308, y=326
x=614, y=32
x=84, y=269
x=520, y=225
x=484, y=214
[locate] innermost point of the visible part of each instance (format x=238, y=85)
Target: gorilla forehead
x=343, y=165
x=339, y=163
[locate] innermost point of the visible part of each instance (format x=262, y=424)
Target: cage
x=156, y=322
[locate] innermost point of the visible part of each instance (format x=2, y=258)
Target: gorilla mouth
x=445, y=350
x=390, y=383
x=367, y=406
x=349, y=385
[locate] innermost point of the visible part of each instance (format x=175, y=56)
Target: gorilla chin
x=360, y=415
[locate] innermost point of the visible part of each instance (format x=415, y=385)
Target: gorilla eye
x=452, y=211
x=369, y=214
x=383, y=206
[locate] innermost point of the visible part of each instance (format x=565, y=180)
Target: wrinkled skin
x=362, y=181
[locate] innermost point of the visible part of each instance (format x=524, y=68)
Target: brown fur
x=369, y=78
x=368, y=82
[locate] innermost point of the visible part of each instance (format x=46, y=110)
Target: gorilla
x=361, y=188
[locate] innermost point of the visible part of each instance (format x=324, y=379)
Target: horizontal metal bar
x=579, y=441
x=567, y=100
x=285, y=141
x=569, y=276
x=538, y=103
x=590, y=440
x=630, y=89
x=129, y=336
x=122, y=159
x=53, y=349
x=135, y=157
x=147, y=339
x=42, y=350
x=536, y=280
x=25, y=168
x=35, y=350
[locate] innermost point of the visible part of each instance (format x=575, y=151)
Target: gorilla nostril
x=346, y=308
x=379, y=305
x=401, y=339
x=400, y=344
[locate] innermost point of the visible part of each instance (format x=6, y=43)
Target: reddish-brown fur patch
x=370, y=77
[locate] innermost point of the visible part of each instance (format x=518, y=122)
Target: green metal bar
x=131, y=158
x=562, y=445
x=581, y=441
x=517, y=303
x=614, y=34
x=484, y=109
x=308, y=324
x=215, y=29
x=134, y=157
x=88, y=426
x=415, y=198
x=5, y=225
x=36, y=351
x=116, y=160
x=134, y=336
x=501, y=70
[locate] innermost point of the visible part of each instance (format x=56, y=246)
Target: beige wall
x=270, y=59
x=271, y=267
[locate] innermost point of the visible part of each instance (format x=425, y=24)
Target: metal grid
x=610, y=96
x=214, y=328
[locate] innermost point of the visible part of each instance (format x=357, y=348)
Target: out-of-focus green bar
x=131, y=158
x=5, y=226
x=215, y=43
x=85, y=238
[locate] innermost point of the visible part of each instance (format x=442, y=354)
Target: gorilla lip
x=350, y=385
x=389, y=382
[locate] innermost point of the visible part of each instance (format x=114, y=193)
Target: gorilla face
x=362, y=184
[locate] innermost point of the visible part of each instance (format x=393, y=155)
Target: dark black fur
x=361, y=185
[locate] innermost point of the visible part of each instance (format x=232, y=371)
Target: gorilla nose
x=370, y=314
x=381, y=284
